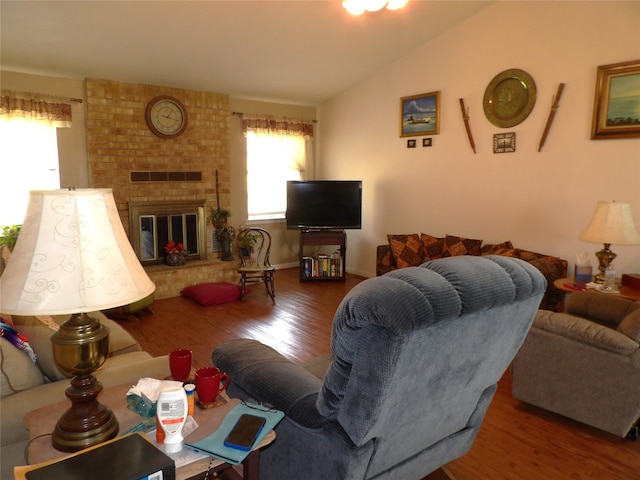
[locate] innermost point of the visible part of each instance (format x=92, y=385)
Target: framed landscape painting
x=420, y=115
x=616, y=109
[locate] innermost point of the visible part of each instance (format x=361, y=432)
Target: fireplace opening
x=154, y=224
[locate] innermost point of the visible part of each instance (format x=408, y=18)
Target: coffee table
x=41, y=422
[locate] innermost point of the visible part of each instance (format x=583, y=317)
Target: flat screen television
x=324, y=204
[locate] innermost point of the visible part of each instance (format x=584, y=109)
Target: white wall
x=539, y=201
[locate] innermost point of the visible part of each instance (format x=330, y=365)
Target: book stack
x=329, y=266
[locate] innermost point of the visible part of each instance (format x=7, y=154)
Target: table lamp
x=72, y=257
x=611, y=223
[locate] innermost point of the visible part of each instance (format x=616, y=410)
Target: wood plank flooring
x=516, y=442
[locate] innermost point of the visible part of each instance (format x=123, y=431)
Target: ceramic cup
x=209, y=382
x=180, y=364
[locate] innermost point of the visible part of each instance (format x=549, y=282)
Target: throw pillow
x=454, y=246
x=39, y=334
x=433, y=246
x=406, y=250
x=17, y=371
x=496, y=248
x=213, y=293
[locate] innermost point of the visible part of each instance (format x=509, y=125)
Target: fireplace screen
x=153, y=225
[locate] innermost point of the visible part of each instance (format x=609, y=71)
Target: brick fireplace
x=142, y=168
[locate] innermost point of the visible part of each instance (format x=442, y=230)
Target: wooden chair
x=254, y=245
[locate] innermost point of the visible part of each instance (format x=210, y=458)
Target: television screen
x=324, y=204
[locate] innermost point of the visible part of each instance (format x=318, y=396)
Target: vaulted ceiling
x=302, y=52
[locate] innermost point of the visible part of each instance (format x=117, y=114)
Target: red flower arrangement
x=173, y=248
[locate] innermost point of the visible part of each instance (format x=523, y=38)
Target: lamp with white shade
x=612, y=223
x=73, y=257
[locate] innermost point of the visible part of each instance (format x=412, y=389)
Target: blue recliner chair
x=415, y=359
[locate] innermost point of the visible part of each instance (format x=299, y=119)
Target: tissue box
x=631, y=280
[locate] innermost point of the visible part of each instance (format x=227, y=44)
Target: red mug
x=209, y=383
x=180, y=364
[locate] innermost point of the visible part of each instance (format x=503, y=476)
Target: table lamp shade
x=72, y=256
x=612, y=223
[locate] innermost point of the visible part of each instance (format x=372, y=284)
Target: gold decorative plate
x=509, y=98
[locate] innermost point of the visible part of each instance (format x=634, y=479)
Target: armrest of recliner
x=269, y=377
x=585, y=331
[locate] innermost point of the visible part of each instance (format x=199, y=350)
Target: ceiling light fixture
x=358, y=7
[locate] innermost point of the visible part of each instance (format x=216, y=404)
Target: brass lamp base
x=605, y=257
x=80, y=347
x=86, y=422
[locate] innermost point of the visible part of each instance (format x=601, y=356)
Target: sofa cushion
x=433, y=247
x=17, y=371
x=38, y=332
x=455, y=246
x=406, y=250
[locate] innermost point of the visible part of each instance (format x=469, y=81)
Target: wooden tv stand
x=324, y=267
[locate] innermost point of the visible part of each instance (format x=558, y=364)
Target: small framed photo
x=616, y=108
x=426, y=142
x=504, y=142
x=420, y=115
x=411, y=144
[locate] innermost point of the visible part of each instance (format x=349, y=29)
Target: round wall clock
x=509, y=98
x=166, y=116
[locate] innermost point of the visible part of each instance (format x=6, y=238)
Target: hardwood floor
x=516, y=442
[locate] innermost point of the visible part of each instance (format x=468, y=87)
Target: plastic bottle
x=190, y=389
x=172, y=414
x=609, y=284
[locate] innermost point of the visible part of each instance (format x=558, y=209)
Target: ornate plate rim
x=523, y=113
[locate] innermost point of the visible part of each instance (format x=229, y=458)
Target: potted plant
x=219, y=218
x=247, y=242
x=9, y=236
x=176, y=254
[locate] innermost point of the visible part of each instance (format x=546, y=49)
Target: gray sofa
x=26, y=386
x=585, y=363
x=416, y=355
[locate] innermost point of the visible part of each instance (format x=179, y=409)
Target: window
x=272, y=159
x=29, y=153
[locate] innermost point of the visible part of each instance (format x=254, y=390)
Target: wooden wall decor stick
x=552, y=113
x=465, y=117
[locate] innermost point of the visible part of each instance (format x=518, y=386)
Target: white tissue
x=582, y=259
x=149, y=388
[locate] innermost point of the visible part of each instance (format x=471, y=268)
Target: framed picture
x=504, y=142
x=411, y=144
x=426, y=142
x=616, y=108
x=420, y=115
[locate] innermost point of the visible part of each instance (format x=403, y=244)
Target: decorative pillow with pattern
x=406, y=250
x=433, y=246
x=496, y=248
x=455, y=246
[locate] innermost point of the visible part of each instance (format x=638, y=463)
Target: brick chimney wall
x=119, y=142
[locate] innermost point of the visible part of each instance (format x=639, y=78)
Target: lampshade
x=72, y=256
x=612, y=223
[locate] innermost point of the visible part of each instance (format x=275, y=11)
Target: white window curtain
x=28, y=149
x=278, y=150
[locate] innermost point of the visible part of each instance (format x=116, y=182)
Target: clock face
x=166, y=116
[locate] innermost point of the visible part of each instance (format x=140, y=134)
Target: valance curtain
x=41, y=109
x=269, y=125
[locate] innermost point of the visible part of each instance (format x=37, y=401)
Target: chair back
x=417, y=354
x=253, y=245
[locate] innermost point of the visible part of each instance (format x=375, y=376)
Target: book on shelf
x=322, y=266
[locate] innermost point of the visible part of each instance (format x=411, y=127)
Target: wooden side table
x=41, y=422
x=565, y=284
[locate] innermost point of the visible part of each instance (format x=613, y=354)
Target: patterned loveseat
x=413, y=249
